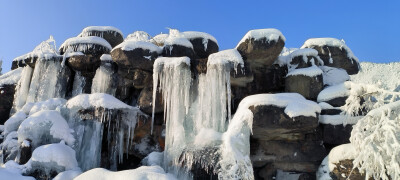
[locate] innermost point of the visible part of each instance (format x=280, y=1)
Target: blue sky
x=370, y=28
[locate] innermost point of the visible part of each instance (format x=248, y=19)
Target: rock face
x=138, y=58
x=334, y=53
x=307, y=86
x=344, y=170
x=336, y=134
x=145, y=101
x=283, y=143
x=7, y=98
x=84, y=63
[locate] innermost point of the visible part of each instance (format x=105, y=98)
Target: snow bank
x=131, y=45
x=51, y=104
x=385, y=76
x=141, y=173
x=138, y=36
x=106, y=57
x=310, y=72
x=68, y=175
x=13, y=122
x=95, y=100
x=329, y=42
x=45, y=127
x=82, y=44
x=337, y=154
x=333, y=76
x=269, y=34
x=294, y=104
x=60, y=154
x=331, y=92
x=11, y=77
x=90, y=31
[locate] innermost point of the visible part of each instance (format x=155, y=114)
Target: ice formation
x=68, y=175
x=45, y=50
x=141, y=173
x=47, y=81
x=82, y=44
x=11, y=77
x=103, y=79
x=268, y=34
x=99, y=31
x=45, y=127
x=329, y=42
x=22, y=89
x=105, y=113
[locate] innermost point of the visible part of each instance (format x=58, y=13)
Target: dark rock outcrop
x=344, y=170
x=6, y=102
x=307, y=86
x=336, y=134
x=84, y=63
x=145, y=101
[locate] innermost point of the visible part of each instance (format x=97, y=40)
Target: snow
x=153, y=159
x=131, y=45
x=338, y=153
x=325, y=105
x=88, y=31
x=106, y=57
x=333, y=76
x=338, y=119
x=205, y=36
x=68, y=175
x=69, y=54
x=13, y=122
x=103, y=80
x=46, y=126
x=383, y=75
x=329, y=42
x=45, y=50
x=304, y=52
x=138, y=36
x=177, y=38
x=207, y=137
x=331, y=92
x=376, y=140
x=95, y=100
x=294, y=104
x=59, y=153
x=226, y=56
x=50, y=104
x=312, y=71
x=82, y=44
x=10, y=144
x=159, y=39
x=11, y=77
x=269, y=34
x=22, y=89
x=6, y=174
x=141, y=173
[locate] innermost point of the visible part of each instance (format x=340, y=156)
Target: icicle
x=102, y=81
x=22, y=89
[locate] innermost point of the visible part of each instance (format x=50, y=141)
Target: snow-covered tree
x=1, y=63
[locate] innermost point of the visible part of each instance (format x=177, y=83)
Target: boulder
x=111, y=34
x=7, y=98
x=142, y=78
x=15, y=64
x=336, y=134
x=305, y=82
x=344, y=170
x=85, y=63
x=203, y=44
x=303, y=58
x=24, y=152
x=177, y=50
x=261, y=47
x=334, y=53
x=92, y=45
x=338, y=101
x=145, y=101
x=131, y=55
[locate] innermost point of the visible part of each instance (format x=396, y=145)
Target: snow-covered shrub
x=376, y=138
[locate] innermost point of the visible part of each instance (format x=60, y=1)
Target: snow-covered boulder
x=81, y=62
x=45, y=127
x=302, y=58
x=92, y=45
x=111, y=34
x=133, y=54
x=10, y=146
x=335, y=95
x=306, y=81
x=8, y=82
x=338, y=165
x=333, y=76
x=334, y=53
x=203, y=44
x=13, y=122
x=49, y=160
x=177, y=45
x=261, y=47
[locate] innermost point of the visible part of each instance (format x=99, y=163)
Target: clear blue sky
x=370, y=28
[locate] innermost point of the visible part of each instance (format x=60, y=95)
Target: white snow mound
x=95, y=100
x=141, y=173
